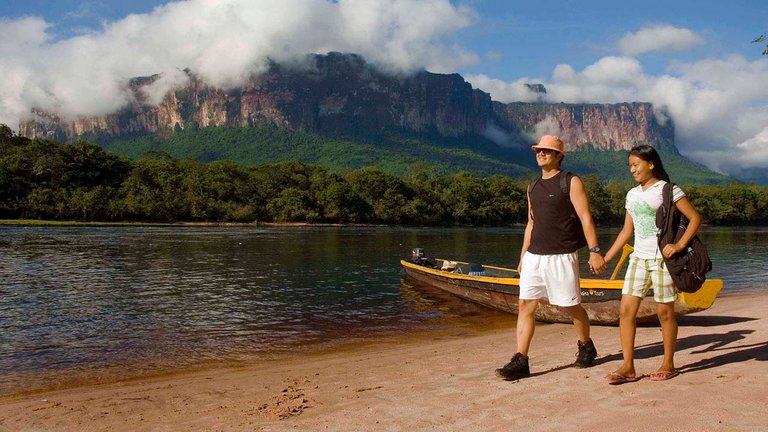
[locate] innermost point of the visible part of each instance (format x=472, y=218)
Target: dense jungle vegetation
x=395, y=151
x=43, y=179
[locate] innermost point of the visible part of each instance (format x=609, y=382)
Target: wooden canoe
x=499, y=289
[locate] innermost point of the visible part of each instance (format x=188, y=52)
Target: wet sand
x=445, y=382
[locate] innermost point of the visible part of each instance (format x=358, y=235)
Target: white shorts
x=554, y=277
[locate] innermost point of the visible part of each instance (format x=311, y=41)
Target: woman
x=646, y=264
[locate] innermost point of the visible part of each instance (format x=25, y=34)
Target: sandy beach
x=445, y=382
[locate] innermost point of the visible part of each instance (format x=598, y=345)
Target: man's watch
x=594, y=249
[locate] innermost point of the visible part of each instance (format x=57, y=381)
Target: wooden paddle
x=624, y=254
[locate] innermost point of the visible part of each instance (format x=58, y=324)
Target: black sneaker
x=516, y=368
x=586, y=355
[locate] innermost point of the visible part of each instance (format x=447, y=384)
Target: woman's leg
x=666, y=313
x=627, y=329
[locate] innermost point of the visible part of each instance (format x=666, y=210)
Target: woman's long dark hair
x=649, y=154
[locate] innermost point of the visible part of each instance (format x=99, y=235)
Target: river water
x=90, y=304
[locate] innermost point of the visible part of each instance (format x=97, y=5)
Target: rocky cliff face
x=597, y=126
x=341, y=94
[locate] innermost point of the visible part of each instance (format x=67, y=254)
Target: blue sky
x=537, y=35
x=694, y=59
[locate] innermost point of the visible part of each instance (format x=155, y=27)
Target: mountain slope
x=393, y=151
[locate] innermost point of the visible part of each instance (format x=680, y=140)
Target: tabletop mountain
x=348, y=112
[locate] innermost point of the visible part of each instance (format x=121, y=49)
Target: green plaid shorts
x=644, y=274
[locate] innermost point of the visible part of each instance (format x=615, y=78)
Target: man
x=559, y=223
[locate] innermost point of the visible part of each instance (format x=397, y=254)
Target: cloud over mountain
x=718, y=105
x=222, y=41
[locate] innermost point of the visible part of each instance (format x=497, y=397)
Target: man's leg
x=580, y=321
x=526, y=324
x=531, y=288
x=518, y=367
x=587, y=352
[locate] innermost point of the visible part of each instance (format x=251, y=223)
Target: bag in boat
x=476, y=270
x=688, y=268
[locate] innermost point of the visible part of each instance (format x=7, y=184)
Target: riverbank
x=45, y=222
x=446, y=383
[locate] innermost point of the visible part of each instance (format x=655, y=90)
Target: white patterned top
x=641, y=206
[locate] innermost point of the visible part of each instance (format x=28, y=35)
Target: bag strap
x=533, y=183
x=666, y=207
x=672, y=217
x=565, y=185
x=666, y=196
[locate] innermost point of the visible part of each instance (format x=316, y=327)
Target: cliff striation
x=342, y=94
x=592, y=126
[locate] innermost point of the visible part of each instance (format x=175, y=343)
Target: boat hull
x=600, y=297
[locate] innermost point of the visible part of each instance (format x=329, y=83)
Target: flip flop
x=664, y=375
x=617, y=379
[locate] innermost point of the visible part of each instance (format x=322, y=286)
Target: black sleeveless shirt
x=556, y=227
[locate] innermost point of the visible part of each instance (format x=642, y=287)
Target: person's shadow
x=731, y=354
x=709, y=320
x=706, y=343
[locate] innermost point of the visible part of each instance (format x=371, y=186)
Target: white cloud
x=609, y=80
x=514, y=91
x=18, y=36
x=753, y=152
x=548, y=126
x=749, y=154
x=499, y=136
x=718, y=105
x=156, y=91
x=664, y=38
x=494, y=56
x=223, y=41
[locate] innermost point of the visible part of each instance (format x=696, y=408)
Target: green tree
x=616, y=194
x=760, y=39
x=338, y=201
x=152, y=192
x=88, y=166
x=599, y=199
x=293, y=205
x=266, y=182
x=87, y=204
x=6, y=134
x=508, y=200
x=467, y=198
x=385, y=194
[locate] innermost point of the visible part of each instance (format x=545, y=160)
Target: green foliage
x=80, y=181
x=760, y=39
x=613, y=166
x=43, y=179
x=394, y=151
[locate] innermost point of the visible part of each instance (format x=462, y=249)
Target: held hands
x=596, y=263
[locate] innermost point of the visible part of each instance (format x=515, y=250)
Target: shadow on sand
x=710, y=321
x=714, y=343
